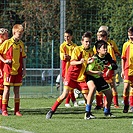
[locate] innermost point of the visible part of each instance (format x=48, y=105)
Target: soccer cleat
x=109, y=115
x=4, y=113
x=97, y=108
x=49, y=114
x=88, y=116
x=75, y=104
x=18, y=113
x=126, y=107
x=67, y=105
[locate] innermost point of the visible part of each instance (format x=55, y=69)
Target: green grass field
x=65, y=120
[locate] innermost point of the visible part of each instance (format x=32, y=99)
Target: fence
x=45, y=21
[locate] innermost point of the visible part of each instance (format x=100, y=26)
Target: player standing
x=127, y=71
x=13, y=55
x=3, y=37
x=66, y=49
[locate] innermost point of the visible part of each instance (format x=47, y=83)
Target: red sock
x=72, y=97
x=56, y=104
x=0, y=102
x=125, y=98
x=99, y=99
x=17, y=104
x=115, y=98
x=4, y=104
x=67, y=99
x=131, y=98
x=104, y=99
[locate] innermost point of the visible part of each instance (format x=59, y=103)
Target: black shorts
x=100, y=83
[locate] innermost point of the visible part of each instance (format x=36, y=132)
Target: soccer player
x=112, y=42
x=127, y=71
x=66, y=49
x=102, y=35
x=75, y=77
x=95, y=80
x=13, y=55
x=3, y=37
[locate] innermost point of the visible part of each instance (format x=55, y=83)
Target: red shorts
x=110, y=75
x=71, y=84
x=12, y=80
x=1, y=83
x=128, y=79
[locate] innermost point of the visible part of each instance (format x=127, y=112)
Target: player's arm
x=75, y=62
x=122, y=67
x=113, y=65
x=6, y=61
x=63, y=54
x=24, y=67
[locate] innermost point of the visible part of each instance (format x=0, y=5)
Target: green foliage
x=41, y=20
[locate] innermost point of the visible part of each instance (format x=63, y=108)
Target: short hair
x=3, y=31
x=69, y=31
x=17, y=27
x=99, y=43
x=102, y=33
x=103, y=27
x=130, y=29
x=87, y=34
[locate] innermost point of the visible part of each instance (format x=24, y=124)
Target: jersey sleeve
x=115, y=48
x=123, y=56
x=23, y=51
x=3, y=47
x=112, y=62
x=62, y=52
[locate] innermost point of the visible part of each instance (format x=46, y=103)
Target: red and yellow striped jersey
x=77, y=72
x=66, y=49
x=114, y=46
x=127, y=56
x=14, y=51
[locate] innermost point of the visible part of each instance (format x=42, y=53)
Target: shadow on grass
x=75, y=111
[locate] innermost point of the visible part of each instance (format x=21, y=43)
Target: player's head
x=103, y=27
x=101, y=47
x=3, y=35
x=68, y=35
x=86, y=39
x=17, y=31
x=130, y=33
x=102, y=35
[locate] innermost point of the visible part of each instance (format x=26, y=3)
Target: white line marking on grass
x=15, y=130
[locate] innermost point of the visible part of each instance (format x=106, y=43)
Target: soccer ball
x=76, y=93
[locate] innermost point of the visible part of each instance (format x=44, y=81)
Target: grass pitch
x=65, y=120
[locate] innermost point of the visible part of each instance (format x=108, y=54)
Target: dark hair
x=99, y=43
x=102, y=33
x=130, y=29
x=69, y=31
x=87, y=34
